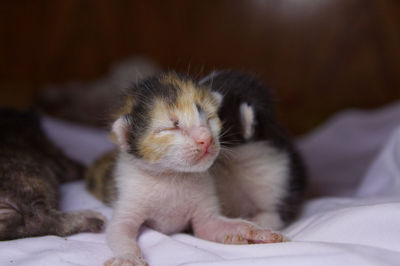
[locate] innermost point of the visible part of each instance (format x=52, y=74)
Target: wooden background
x=319, y=56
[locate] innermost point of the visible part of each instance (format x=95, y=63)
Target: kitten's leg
x=268, y=220
x=121, y=238
x=208, y=223
x=53, y=222
x=40, y=219
x=233, y=231
x=37, y=219
x=68, y=223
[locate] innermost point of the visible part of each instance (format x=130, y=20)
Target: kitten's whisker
x=228, y=153
x=225, y=132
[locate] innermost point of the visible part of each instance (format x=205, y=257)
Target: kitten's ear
x=218, y=97
x=119, y=132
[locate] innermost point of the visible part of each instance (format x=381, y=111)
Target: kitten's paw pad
x=125, y=262
x=95, y=221
x=258, y=236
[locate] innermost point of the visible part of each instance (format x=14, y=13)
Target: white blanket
x=353, y=161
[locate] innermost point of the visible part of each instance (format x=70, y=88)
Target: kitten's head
x=169, y=123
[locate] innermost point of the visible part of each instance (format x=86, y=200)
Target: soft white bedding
x=353, y=160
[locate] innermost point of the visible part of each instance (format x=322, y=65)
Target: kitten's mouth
x=204, y=155
x=201, y=156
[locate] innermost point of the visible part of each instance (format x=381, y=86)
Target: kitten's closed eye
x=211, y=116
x=174, y=127
x=204, y=113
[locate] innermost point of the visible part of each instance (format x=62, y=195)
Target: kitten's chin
x=197, y=165
x=202, y=163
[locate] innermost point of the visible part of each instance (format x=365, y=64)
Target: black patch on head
x=200, y=109
x=145, y=93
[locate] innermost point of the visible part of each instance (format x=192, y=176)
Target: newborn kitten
x=168, y=137
x=31, y=168
x=262, y=177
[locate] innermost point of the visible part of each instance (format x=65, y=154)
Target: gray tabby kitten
x=31, y=169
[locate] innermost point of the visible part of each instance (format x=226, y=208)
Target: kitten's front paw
x=252, y=235
x=95, y=221
x=120, y=261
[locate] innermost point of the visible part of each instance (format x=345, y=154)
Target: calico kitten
x=262, y=178
x=31, y=168
x=168, y=137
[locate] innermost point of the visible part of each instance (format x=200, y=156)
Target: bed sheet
x=353, y=217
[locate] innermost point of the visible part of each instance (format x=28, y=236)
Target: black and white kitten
x=261, y=177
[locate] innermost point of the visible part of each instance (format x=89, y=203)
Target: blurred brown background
x=319, y=56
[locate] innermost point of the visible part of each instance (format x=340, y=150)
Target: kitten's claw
x=120, y=261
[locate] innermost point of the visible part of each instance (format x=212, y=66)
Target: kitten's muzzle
x=203, y=138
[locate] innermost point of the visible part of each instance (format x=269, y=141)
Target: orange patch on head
x=184, y=105
x=191, y=93
x=173, y=79
x=160, y=111
x=154, y=147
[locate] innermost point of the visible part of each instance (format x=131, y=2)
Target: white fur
x=218, y=97
x=173, y=192
x=119, y=128
x=165, y=197
x=251, y=181
x=169, y=202
x=247, y=120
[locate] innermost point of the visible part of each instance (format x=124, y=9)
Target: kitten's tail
x=38, y=220
x=100, y=180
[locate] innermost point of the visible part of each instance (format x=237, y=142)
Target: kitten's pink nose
x=204, y=144
x=202, y=137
